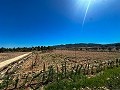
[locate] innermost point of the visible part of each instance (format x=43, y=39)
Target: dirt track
x=10, y=55
x=9, y=61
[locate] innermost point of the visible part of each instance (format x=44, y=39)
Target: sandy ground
x=9, y=61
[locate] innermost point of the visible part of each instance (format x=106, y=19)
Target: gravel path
x=10, y=55
x=9, y=61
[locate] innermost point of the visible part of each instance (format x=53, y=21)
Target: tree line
x=26, y=49
x=79, y=46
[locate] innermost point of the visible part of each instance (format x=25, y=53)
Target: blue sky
x=51, y=22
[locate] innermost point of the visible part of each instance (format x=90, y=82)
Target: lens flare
x=86, y=12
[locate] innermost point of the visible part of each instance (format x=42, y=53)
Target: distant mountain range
x=90, y=46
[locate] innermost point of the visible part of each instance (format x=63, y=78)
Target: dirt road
x=9, y=61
